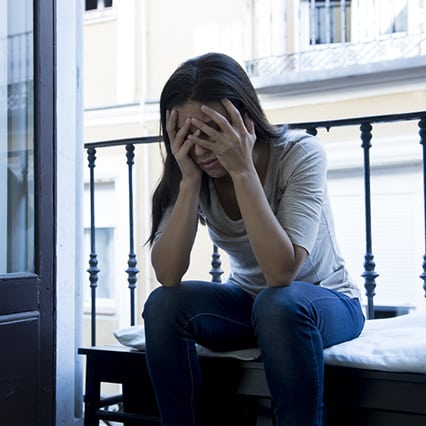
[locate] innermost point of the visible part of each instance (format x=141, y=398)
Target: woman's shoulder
x=295, y=136
x=296, y=143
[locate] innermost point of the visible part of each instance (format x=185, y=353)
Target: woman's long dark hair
x=207, y=78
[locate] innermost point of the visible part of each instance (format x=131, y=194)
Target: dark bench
x=236, y=392
x=233, y=389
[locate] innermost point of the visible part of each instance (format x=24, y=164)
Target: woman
x=261, y=191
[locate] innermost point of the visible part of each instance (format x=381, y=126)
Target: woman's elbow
x=280, y=278
x=168, y=274
x=283, y=274
x=167, y=279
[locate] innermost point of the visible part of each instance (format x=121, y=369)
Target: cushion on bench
x=388, y=344
x=134, y=337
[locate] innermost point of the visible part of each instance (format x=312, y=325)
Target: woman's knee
x=283, y=303
x=160, y=301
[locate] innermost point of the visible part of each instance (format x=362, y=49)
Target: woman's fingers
x=181, y=145
x=241, y=123
x=233, y=124
x=204, y=129
x=249, y=124
x=234, y=114
x=177, y=136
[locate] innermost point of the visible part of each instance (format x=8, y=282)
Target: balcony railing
x=397, y=47
x=369, y=274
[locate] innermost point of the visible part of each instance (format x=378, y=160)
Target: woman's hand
x=232, y=140
x=171, y=252
x=181, y=145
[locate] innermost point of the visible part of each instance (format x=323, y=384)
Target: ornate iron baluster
x=216, y=263
x=132, y=270
x=422, y=133
x=93, y=261
x=369, y=273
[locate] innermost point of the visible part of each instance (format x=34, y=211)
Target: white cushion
x=390, y=344
x=134, y=337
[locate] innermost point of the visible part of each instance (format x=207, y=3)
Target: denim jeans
x=291, y=325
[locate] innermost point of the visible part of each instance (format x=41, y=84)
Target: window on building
x=98, y=4
x=268, y=27
x=330, y=21
x=336, y=21
x=394, y=18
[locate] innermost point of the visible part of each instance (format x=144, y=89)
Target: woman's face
x=204, y=158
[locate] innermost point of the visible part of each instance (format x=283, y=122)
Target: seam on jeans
x=318, y=400
x=220, y=317
x=348, y=304
x=191, y=373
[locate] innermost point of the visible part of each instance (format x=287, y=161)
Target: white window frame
x=269, y=28
x=101, y=13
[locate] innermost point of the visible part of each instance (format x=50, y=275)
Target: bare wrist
x=191, y=184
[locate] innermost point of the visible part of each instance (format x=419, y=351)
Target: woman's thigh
x=336, y=316
x=214, y=315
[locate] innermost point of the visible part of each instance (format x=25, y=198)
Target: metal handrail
x=337, y=55
x=369, y=274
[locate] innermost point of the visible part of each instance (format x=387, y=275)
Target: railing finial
x=216, y=264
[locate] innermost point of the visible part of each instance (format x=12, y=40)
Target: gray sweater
x=296, y=188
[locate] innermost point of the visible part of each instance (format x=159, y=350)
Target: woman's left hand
x=232, y=141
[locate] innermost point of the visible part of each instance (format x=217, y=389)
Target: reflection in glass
x=16, y=137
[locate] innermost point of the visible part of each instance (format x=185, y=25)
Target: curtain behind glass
x=16, y=137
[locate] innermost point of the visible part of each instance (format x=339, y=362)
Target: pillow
x=134, y=337
x=389, y=344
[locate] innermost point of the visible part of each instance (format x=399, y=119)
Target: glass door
x=16, y=137
x=27, y=213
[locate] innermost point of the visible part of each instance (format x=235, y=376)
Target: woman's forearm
x=170, y=254
x=278, y=258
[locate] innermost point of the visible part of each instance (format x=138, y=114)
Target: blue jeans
x=291, y=325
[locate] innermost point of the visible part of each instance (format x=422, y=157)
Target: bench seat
x=370, y=381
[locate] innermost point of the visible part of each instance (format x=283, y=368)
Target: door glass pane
x=16, y=137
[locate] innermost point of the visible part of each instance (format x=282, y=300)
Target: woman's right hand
x=171, y=252
x=181, y=146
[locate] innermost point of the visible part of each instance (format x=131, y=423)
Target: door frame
x=45, y=198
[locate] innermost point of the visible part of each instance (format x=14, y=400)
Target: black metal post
x=422, y=133
x=216, y=264
x=132, y=270
x=369, y=273
x=93, y=261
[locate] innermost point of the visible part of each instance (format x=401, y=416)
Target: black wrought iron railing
x=340, y=55
x=365, y=125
